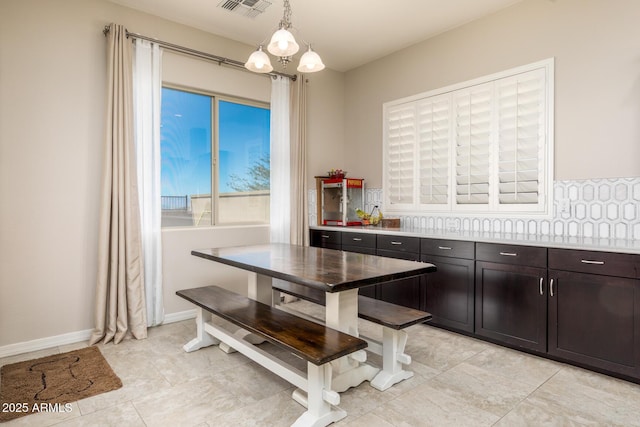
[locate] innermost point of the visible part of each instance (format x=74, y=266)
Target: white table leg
x=202, y=339
x=342, y=314
x=258, y=289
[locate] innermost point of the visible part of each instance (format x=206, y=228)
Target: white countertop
x=562, y=242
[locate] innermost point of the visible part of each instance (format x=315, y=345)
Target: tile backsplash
x=598, y=208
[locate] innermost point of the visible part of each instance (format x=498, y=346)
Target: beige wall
x=325, y=127
x=596, y=45
x=52, y=99
x=182, y=270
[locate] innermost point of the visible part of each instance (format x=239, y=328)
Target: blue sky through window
x=186, y=142
x=244, y=140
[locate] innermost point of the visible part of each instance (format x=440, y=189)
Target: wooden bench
x=393, y=318
x=315, y=343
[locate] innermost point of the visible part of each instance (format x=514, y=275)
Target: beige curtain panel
x=120, y=296
x=298, y=137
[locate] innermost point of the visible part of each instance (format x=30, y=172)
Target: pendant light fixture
x=283, y=45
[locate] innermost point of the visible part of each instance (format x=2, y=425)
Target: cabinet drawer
x=363, y=240
x=606, y=263
x=448, y=248
x=409, y=256
x=512, y=254
x=359, y=250
x=326, y=239
x=399, y=243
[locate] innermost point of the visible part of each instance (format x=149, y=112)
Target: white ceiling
x=346, y=33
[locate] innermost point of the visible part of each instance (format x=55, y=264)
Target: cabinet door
x=362, y=244
x=450, y=292
x=407, y=292
x=595, y=320
x=325, y=239
x=511, y=304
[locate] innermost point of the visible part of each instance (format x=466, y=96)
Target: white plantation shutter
x=433, y=149
x=472, y=139
x=484, y=146
x=400, y=152
x=521, y=136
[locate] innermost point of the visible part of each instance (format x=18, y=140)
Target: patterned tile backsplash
x=598, y=208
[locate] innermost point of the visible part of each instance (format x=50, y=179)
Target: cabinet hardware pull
x=357, y=239
x=396, y=243
x=444, y=248
x=541, y=291
x=324, y=236
x=508, y=254
x=586, y=261
x=551, y=287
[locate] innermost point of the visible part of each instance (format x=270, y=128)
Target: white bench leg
x=202, y=339
x=319, y=399
x=393, y=357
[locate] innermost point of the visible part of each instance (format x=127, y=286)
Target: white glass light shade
x=259, y=62
x=283, y=43
x=310, y=62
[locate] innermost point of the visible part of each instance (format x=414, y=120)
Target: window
x=478, y=147
x=215, y=159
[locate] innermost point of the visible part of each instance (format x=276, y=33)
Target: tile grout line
x=529, y=395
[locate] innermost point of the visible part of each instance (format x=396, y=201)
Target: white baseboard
x=180, y=316
x=74, y=337
x=42, y=343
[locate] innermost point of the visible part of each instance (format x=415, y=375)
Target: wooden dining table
x=339, y=274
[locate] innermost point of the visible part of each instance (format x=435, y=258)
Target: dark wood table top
x=326, y=269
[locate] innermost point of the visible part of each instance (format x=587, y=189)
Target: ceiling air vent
x=248, y=8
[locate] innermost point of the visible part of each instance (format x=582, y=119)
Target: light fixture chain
x=286, y=17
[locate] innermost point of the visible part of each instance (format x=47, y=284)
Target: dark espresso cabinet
x=407, y=292
x=363, y=243
x=449, y=291
x=326, y=239
x=594, y=309
x=511, y=301
x=576, y=306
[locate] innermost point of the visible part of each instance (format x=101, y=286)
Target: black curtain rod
x=204, y=55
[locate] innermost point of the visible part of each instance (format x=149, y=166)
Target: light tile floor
x=459, y=381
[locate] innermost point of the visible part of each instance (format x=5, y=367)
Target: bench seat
x=393, y=318
x=377, y=311
x=313, y=342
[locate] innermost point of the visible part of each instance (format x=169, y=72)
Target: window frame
x=493, y=208
x=215, y=98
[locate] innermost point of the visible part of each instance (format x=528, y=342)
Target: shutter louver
x=433, y=142
x=401, y=140
x=521, y=106
x=472, y=136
